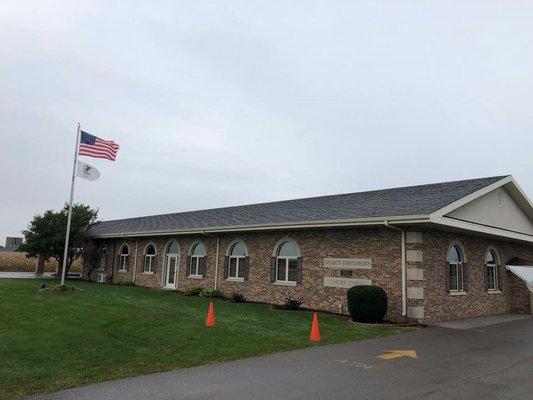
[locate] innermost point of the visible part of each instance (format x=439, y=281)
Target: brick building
x=440, y=251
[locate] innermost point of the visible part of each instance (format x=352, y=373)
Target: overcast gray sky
x=233, y=102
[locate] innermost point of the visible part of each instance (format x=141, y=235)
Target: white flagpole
x=69, y=218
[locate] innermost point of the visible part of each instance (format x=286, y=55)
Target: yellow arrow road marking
x=392, y=354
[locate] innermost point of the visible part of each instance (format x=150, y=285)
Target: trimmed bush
x=125, y=283
x=237, y=297
x=367, y=303
x=64, y=288
x=194, y=291
x=292, y=304
x=212, y=293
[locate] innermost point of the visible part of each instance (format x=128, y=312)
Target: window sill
x=239, y=280
x=285, y=283
x=495, y=292
x=148, y=273
x=100, y=269
x=196, y=276
x=458, y=293
x=122, y=271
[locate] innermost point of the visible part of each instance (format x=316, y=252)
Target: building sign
x=348, y=263
x=345, y=283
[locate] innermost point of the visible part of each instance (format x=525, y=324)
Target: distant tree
x=45, y=235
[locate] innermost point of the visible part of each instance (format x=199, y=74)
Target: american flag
x=93, y=146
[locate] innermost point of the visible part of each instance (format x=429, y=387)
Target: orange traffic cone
x=315, y=330
x=210, y=321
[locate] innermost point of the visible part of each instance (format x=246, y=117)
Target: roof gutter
x=408, y=219
x=404, y=269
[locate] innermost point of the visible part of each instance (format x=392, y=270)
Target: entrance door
x=171, y=271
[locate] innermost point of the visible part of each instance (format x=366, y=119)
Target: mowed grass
x=56, y=340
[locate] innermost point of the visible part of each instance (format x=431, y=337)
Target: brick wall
x=429, y=276
x=381, y=245
x=519, y=295
x=426, y=251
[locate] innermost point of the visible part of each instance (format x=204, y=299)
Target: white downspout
x=404, y=270
x=135, y=260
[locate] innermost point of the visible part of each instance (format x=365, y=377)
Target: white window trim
x=458, y=293
x=102, y=256
x=286, y=280
x=495, y=275
x=460, y=280
x=240, y=260
x=152, y=258
x=495, y=292
x=195, y=275
x=238, y=280
x=122, y=265
x=285, y=283
x=148, y=273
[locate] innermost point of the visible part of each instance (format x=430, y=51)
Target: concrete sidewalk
x=491, y=363
x=480, y=322
x=25, y=275
x=31, y=275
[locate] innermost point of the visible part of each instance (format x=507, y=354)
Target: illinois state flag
x=87, y=171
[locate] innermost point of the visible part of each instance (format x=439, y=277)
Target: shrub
x=193, y=291
x=237, y=297
x=367, y=303
x=64, y=288
x=212, y=293
x=292, y=304
x=125, y=283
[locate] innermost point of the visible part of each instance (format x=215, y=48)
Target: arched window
x=492, y=274
x=197, y=263
x=124, y=258
x=457, y=272
x=102, y=259
x=236, y=265
x=287, y=265
x=149, y=259
x=172, y=248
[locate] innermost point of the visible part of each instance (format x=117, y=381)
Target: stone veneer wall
x=426, y=255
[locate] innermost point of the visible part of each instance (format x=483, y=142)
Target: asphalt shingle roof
x=411, y=200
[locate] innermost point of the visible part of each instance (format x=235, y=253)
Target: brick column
x=415, y=276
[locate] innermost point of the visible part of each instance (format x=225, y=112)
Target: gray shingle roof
x=404, y=201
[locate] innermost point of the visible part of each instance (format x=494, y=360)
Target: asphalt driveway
x=494, y=362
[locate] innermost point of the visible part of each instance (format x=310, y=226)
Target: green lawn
x=55, y=340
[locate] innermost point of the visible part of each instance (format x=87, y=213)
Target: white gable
x=495, y=209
